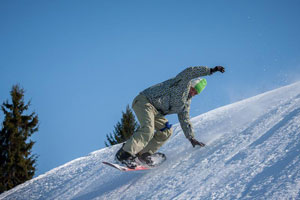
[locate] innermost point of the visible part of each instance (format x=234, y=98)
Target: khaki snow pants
x=152, y=133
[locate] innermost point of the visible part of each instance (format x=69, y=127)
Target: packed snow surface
x=252, y=152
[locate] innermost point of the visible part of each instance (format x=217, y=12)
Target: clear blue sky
x=81, y=62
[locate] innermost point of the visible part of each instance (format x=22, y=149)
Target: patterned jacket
x=172, y=96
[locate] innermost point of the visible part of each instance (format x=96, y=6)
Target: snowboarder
x=151, y=105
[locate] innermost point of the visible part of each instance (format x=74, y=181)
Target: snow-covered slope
x=253, y=152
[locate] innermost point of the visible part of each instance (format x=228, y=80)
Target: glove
x=217, y=68
x=195, y=142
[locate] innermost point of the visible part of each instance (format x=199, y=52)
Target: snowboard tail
x=124, y=168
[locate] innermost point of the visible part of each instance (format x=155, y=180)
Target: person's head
x=197, y=86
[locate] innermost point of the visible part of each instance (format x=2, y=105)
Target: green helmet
x=199, y=84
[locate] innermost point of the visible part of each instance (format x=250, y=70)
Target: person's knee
x=163, y=135
x=145, y=133
x=165, y=132
x=169, y=132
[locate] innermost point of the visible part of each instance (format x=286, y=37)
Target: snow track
x=252, y=152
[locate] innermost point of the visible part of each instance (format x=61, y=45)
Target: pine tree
x=17, y=165
x=123, y=129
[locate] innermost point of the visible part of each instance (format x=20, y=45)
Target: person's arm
x=186, y=125
x=198, y=71
x=194, y=72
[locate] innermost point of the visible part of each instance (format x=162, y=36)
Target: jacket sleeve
x=186, y=125
x=194, y=72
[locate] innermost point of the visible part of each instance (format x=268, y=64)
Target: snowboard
x=158, y=159
x=124, y=168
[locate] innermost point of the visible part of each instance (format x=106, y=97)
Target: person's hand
x=217, y=69
x=194, y=142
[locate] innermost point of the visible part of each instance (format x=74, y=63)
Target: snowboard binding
x=152, y=160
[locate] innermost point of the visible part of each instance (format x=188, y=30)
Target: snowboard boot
x=145, y=158
x=126, y=159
